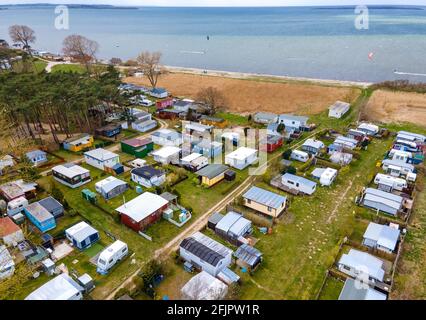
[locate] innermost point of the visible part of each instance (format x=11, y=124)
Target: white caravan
x=299, y=156
x=16, y=206
x=111, y=255
x=393, y=183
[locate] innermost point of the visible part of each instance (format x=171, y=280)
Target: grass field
x=410, y=280
x=331, y=290
x=390, y=106
x=68, y=68
x=246, y=96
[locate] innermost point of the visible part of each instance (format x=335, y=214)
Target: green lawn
x=410, y=280
x=69, y=68
x=233, y=118
x=331, y=289
x=200, y=198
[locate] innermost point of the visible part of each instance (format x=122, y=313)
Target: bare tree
x=81, y=49
x=149, y=63
x=116, y=61
x=212, y=98
x=23, y=35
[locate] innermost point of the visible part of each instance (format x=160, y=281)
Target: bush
x=287, y=154
x=291, y=170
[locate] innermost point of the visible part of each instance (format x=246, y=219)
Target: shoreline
x=265, y=77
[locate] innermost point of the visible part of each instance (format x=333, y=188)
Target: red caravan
x=142, y=211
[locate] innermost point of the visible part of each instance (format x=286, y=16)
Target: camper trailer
x=389, y=183
x=299, y=156
x=400, y=155
x=16, y=206
x=110, y=256
x=397, y=168
x=328, y=176
x=405, y=145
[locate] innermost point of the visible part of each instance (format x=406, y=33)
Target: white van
x=16, y=206
x=111, y=255
x=299, y=156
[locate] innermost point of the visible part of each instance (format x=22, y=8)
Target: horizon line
x=209, y=6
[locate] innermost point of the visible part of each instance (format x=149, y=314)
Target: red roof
x=7, y=227
x=137, y=142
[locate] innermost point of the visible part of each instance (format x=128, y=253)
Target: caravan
x=400, y=155
x=299, y=156
x=405, y=145
x=397, y=168
x=16, y=206
x=110, y=256
x=388, y=183
x=328, y=176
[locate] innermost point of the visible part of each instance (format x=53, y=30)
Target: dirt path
x=341, y=199
x=201, y=221
x=279, y=296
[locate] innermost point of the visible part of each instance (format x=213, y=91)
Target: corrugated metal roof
x=109, y=184
x=351, y=292
x=50, y=204
x=385, y=236
x=364, y=262
x=101, y=154
x=248, y=254
x=298, y=179
x=81, y=231
x=215, y=218
x=62, y=287
x=265, y=197
x=212, y=170
x=142, y=206
x=384, y=195
x=147, y=172
x=201, y=251
x=233, y=222
x=38, y=212
x=339, y=106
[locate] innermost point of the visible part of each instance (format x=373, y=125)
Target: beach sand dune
x=388, y=106
x=247, y=96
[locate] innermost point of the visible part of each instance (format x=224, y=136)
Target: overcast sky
x=222, y=2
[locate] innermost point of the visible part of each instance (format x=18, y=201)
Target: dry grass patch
x=249, y=96
x=389, y=106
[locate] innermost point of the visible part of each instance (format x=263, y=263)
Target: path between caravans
x=279, y=296
x=339, y=202
x=201, y=221
x=116, y=147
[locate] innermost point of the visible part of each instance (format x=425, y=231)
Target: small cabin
x=139, y=148
x=78, y=143
x=82, y=235
x=37, y=157
x=109, y=131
